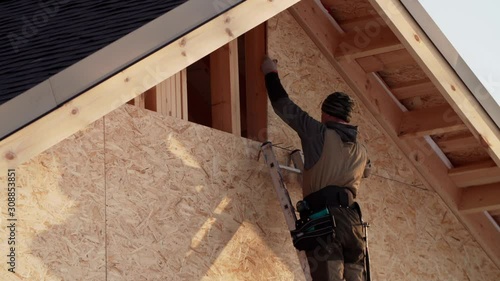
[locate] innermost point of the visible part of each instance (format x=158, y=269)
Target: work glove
x=269, y=65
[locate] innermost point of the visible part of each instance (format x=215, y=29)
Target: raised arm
x=289, y=112
x=310, y=131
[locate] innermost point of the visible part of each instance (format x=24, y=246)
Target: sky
x=473, y=28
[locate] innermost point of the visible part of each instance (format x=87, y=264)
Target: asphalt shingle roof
x=41, y=38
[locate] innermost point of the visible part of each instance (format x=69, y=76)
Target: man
x=334, y=164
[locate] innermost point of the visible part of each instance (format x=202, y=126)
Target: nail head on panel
x=416, y=157
x=417, y=38
x=10, y=155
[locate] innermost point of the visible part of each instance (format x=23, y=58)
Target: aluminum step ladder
x=288, y=208
x=275, y=168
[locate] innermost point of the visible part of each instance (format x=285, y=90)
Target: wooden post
x=171, y=96
x=256, y=93
x=225, y=90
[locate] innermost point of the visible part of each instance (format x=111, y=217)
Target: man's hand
x=269, y=65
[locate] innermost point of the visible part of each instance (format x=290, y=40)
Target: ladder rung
x=291, y=169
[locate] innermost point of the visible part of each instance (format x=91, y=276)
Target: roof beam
x=134, y=80
x=385, y=61
x=318, y=26
x=480, y=226
x=442, y=75
x=360, y=43
x=225, y=88
x=361, y=23
x=480, y=198
x=480, y=173
x=414, y=89
x=457, y=144
x=430, y=121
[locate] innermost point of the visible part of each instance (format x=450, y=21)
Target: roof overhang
x=88, y=90
x=452, y=56
x=397, y=32
x=155, y=64
x=96, y=68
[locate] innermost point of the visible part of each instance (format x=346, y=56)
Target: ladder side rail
x=284, y=197
x=279, y=186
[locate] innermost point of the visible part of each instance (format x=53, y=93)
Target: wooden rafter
x=372, y=92
x=365, y=22
x=116, y=90
x=485, y=172
x=458, y=143
x=225, y=89
x=430, y=121
x=360, y=43
x=480, y=198
x=385, y=61
x=441, y=74
x=414, y=89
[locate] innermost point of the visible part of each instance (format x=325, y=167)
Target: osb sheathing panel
x=147, y=197
x=185, y=202
x=60, y=212
x=413, y=235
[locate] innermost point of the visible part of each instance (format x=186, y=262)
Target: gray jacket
x=332, y=155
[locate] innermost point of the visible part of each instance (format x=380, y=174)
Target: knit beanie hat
x=338, y=105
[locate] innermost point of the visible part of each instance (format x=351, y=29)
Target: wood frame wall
x=170, y=96
x=116, y=91
x=225, y=88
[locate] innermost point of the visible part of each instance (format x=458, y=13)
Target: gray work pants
x=340, y=257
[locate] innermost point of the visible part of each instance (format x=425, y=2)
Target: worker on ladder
x=334, y=163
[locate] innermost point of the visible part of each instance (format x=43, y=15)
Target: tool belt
x=329, y=196
x=316, y=225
